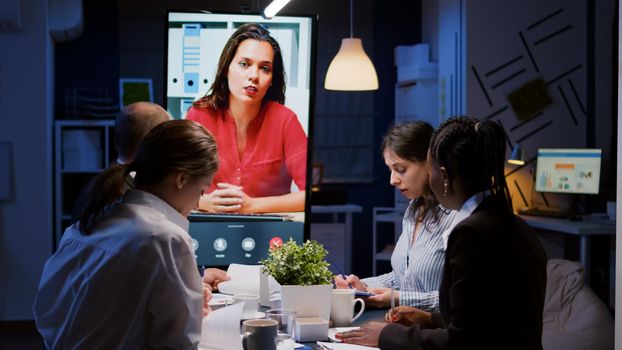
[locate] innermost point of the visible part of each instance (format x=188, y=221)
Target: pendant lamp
x=351, y=69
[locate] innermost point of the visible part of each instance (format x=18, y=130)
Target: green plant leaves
x=292, y=264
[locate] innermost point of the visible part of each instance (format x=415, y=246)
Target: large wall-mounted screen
x=195, y=41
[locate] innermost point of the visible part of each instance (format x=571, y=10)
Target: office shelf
x=82, y=149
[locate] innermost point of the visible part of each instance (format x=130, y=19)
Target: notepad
x=221, y=329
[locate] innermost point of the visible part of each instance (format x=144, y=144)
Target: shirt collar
x=467, y=208
x=139, y=197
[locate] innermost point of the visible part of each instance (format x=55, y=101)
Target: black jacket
x=492, y=293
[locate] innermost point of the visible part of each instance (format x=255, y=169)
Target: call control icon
x=248, y=244
x=220, y=244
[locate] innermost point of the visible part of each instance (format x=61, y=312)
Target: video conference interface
x=195, y=41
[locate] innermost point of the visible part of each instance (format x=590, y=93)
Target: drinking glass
x=286, y=319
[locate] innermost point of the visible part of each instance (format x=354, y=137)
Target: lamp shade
x=517, y=157
x=351, y=69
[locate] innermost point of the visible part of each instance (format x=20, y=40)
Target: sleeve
x=468, y=270
x=383, y=281
x=176, y=303
x=398, y=337
x=295, y=150
x=427, y=301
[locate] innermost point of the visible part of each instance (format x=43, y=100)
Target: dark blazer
x=492, y=293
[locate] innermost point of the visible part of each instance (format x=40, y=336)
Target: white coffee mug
x=251, y=304
x=342, y=307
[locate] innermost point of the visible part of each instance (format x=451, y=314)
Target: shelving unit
x=82, y=149
x=390, y=215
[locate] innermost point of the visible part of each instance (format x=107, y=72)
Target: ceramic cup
x=251, y=304
x=342, y=307
x=259, y=334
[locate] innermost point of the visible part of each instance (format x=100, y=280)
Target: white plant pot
x=308, y=301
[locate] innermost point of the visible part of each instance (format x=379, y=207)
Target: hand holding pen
x=351, y=281
x=408, y=316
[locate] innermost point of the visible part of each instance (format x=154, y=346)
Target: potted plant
x=304, y=277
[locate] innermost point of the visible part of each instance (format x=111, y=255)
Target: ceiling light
x=351, y=69
x=273, y=8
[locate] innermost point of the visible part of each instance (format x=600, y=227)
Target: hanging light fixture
x=351, y=69
x=273, y=8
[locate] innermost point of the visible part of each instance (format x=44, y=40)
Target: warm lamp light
x=351, y=69
x=517, y=157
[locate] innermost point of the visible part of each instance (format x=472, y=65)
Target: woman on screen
x=417, y=260
x=261, y=144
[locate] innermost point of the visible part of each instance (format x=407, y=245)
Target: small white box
x=311, y=329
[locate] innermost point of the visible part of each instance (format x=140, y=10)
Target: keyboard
x=201, y=216
x=543, y=212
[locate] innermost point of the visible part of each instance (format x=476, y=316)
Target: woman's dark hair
x=173, y=146
x=217, y=98
x=409, y=140
x=473, y=151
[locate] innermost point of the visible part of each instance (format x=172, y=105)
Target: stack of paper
x=221, y=329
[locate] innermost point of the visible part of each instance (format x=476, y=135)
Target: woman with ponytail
x=417, y=259
x=125, y=275
x=492, y=292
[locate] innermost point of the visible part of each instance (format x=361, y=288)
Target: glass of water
x=286, y=319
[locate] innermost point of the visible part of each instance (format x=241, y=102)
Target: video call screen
x=195, y=41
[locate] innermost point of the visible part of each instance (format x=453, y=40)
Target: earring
x=445, y=185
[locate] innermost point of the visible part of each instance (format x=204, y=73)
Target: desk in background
x=336, y=234
x=584, y=229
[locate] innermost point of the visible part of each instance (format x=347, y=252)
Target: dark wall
x=91, y=60
x=394, y=23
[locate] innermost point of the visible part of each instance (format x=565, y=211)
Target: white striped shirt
x=417, y=266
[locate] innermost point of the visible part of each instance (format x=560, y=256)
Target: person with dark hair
x=261, y=143
x=130, y=127
x=418, y=257
x=494, y=279
x=125, y=275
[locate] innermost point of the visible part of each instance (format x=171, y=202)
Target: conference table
x=367, y=316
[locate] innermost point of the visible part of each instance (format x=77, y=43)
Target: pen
x=201, y=270
x=344, y=278
x=392, y=302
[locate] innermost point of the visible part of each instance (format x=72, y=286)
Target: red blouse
x=275, y=153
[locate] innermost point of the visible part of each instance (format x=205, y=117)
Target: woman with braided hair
x=492, y=292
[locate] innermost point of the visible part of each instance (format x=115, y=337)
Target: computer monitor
x=194, y=42
x=568, y=170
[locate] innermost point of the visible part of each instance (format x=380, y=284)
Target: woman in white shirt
x=125, y=275
x=418, y=257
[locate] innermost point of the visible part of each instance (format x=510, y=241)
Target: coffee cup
x=259, y=334
x=251, y=304
x=342, y=307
